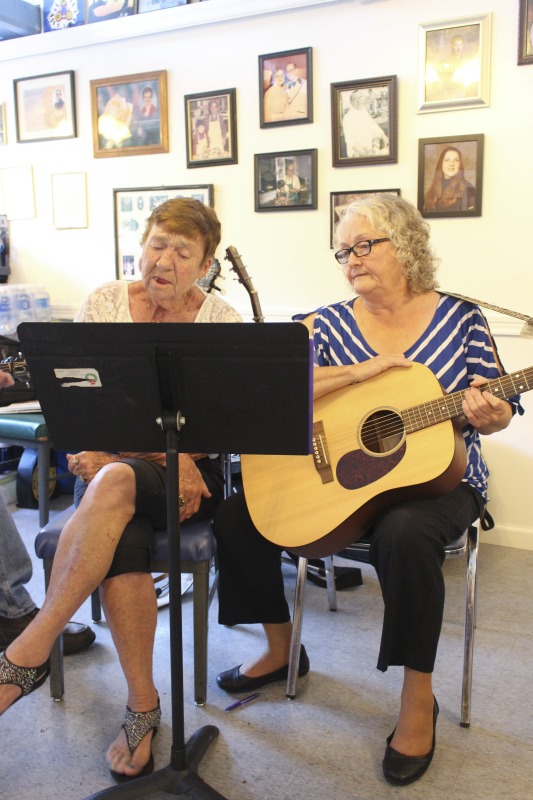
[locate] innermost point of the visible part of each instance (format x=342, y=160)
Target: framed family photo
x=525, y=32
x=45, y=107
x=286, y=181
x=340, y=200
x=285, y=88
x=132, y=207
x=450, y=176
x=364, y=122
x=454, y=64
x=211, y=121
x=129, y=115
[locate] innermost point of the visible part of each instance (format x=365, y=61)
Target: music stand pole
x=180, y=778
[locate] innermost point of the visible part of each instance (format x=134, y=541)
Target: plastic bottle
x=42, y=311
x=23, y=303
x=7, y=317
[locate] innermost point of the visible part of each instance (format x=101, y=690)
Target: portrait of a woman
x=450, y=190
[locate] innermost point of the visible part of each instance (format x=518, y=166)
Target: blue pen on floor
x=243, y=701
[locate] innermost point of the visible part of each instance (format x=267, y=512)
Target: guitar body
x=318, y=510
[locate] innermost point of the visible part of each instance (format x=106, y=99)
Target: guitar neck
x=450, y=406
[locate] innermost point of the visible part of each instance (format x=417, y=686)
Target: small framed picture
x=211, y=121
x=454, y=64
x=100, y=10
x=129, y=115
x=450, y=176
x=45, y=107
x=340, y=200
x=59, y=15
x=286, y=88
x=364, y=122
x=156, y=5
x=132, y=207
x=286, y=181
x=3, y=128
x=525, y=32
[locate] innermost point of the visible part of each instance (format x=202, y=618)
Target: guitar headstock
x=240, y=270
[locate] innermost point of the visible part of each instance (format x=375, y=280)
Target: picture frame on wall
x=450, y=176
x=3, y=124
x=58, y=15
x=211, y=128
x=454, y=64
x=157, y=5
x=45, y=107
x=132, y=207
x=112, y=9
x=286, y=181
x=339, y=201
x=130, y=115
x=286, y=88
x=525, y=32
x=364, y=122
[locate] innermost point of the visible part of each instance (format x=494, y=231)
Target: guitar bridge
x=321, y=453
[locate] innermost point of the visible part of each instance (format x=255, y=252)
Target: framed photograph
x=454, y=64
x=156, y=5
x=69, y=200
x=100, y=10
x=58, y=15
x=340, y=200
x=525, y=32
x=45, y=107
x=286, y=88
x=211, y=122
x=132, y=207
x=364, y=122
x=129, y=115
x=3, y=128
x=286, y=181
x=450, y=176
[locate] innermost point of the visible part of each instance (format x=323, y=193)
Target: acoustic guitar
x=387, y=439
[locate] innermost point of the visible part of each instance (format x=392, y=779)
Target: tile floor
x=327, y=743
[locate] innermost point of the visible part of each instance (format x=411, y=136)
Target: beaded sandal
x=136, y=725
x=26, y=678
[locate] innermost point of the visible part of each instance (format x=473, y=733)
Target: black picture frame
x=525, y=33
x=364, y=121
x=286, y=88
x=45, y=107
x=457, y=191
x=132, y=207
x=220, y=108
x=286, y=181
x=120, y=127
x=339, y=200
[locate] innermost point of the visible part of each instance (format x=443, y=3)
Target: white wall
x=288, y=254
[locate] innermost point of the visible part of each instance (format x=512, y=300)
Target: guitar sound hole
x=382, y=432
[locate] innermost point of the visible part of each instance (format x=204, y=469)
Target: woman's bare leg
x=414, y=731
x=276, y=654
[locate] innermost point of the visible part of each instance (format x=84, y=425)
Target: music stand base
x=169, y=782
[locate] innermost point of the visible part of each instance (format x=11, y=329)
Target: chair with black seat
x=198, y=549
x=466, y=544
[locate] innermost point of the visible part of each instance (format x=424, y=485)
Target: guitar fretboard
x=449, y=406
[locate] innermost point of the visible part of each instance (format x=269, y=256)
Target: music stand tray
x=177, y=388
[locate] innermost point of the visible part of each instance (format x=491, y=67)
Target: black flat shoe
x=400, y=769
x=234, y=682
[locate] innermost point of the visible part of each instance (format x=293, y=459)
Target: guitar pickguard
x=357, y=468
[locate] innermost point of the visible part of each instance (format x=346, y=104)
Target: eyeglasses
x=360, y=249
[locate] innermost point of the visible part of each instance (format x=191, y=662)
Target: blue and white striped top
x=456, y=346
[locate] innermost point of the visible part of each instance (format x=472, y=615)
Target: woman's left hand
x=192, y=487
x=484, y=411
x=87, y=463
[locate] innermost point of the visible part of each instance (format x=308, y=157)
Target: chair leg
x=200, y=623
x=470, y=622
x=330, y=583
x=297, y=618
x=96, y=606
x=57, y=675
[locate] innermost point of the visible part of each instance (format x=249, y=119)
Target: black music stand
x=198, y=388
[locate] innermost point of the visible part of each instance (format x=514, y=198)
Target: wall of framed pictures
x=387, y=60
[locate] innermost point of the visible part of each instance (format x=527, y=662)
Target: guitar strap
x=527, y=328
